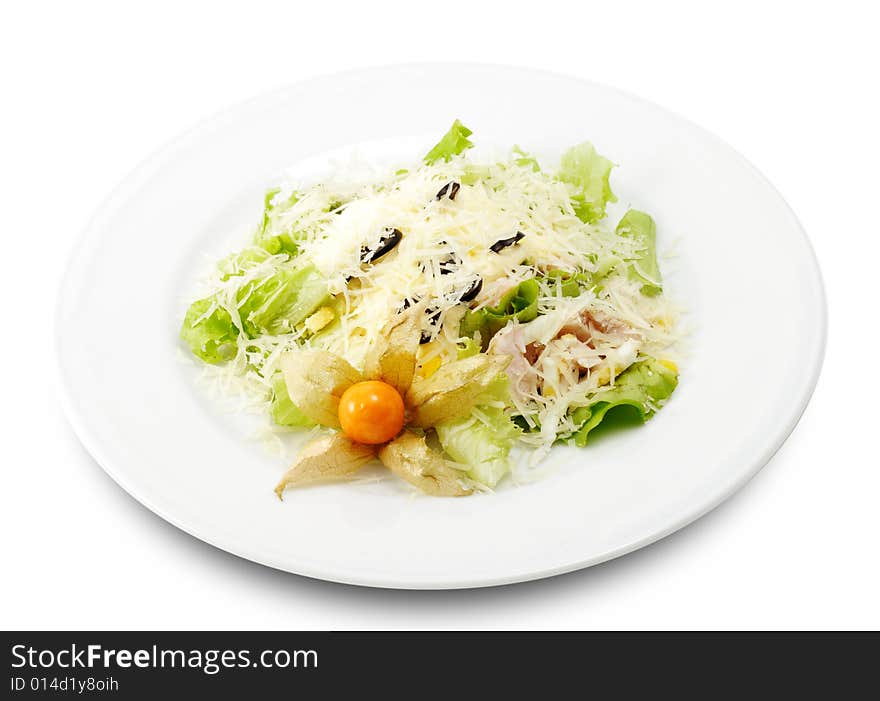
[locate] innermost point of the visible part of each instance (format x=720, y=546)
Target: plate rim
x=118, y=196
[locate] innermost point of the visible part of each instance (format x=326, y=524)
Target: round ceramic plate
x=743, y=269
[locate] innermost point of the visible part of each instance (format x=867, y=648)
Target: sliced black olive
x=471, y=292
x=433, y=314
x=387, y=242
x=499, y=246
x=407, y=303
x=451, y=189
x=449, y=263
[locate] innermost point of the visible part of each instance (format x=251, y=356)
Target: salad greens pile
x=536, y=265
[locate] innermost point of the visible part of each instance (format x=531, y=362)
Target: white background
x=89, y=89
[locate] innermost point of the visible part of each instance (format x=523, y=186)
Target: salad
x=452, y=318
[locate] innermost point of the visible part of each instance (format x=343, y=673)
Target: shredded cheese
x=575, y=347
x=508, y=199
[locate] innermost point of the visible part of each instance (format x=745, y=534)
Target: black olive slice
x=450, y=189
x=449, y=263
x=471, y=292
x=387, y=242
x=433, y=314
x=499, y=246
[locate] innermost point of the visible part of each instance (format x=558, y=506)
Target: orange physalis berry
x=371, y=412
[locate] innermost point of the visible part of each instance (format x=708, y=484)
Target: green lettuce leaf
x=212, y=336
x=571, y=284
x=467, y=347
x=483, y=444
x=474, y=173
x=454, y=142
x=285, y=412
x=272, y=304
x=284, y=242
x=589, y=172
x=520, y=303
x=525, y=160
x=268, y=207
x=238, y=263
x=641, y=228
x=644, y=386
x=278, y=302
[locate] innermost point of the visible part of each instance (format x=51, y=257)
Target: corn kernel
x=432, y=366
x=669, y=365
x=320, y=319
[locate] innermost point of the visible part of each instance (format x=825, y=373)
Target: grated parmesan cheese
x=445, y=246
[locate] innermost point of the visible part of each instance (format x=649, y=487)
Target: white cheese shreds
x=576, y=346
x=462, y=230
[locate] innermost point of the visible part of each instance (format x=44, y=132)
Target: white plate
x=745, y=270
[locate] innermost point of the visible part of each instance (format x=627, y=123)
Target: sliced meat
x=532, y=351
x=510, y=341
x=586, y=323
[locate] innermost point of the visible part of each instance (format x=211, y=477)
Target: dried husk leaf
x=326, y=459
x=315, y=381
x=409, y=457
x=392, y=358
x=453, y=390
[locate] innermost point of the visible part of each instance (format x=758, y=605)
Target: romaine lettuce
x=641, y=228
x=474, y=173
x=454, y=142
x=276, y=243
x=483, y=444
x=570, y=284
x=238, y=263
x=520, y=303
x=273, y=304
x=644, y=386
x=467, y=347
x=268, y=207
x=276, y=303
x=589, y=172
x=524, y=160
x=208, y=332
